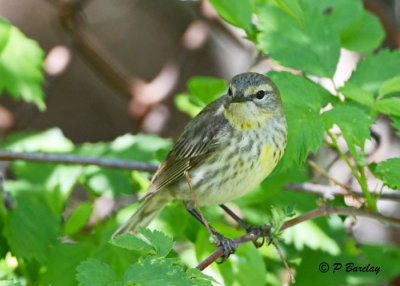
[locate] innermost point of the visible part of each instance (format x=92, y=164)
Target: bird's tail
x=150, y=208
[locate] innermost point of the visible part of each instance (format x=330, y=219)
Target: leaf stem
x=360, y=177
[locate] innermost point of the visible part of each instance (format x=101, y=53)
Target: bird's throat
x=244, y=116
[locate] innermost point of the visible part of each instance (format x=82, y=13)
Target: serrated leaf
x=51, y=140
x=62, y=263
x=21, y=61
x=32, y=229
x=132, y=242
x=390, y=106
x=353, y=92
x=161, y=242
x=347, y=117
x=312, y=47
x=236, y=12
x=195, y=274
x=206, y=89
x=375, y=69
x=302, y=100
x=365, y=35
x=78, y=218
x=119, y=259
x=390, y=86
x=152, y=271
x=389, y=172
x=93, y=272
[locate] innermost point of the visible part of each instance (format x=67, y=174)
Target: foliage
x=48, y=239
x=21, y=61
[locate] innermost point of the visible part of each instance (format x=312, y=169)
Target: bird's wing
x=195, y=144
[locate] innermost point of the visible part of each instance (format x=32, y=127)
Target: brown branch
x=325, y=211
x=330, y=192
x=77, y=160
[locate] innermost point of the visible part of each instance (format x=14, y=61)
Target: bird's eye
x=260, y=94
x=230, y=92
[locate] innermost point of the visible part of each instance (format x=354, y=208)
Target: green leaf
x=353, y=92
x=132, y=242
x=78, y=218
x=346, y=117
x=313, y=47
x=196, y=275
x=53, y=177
x=365, y=36
x=185, y=104
x=5, y=29
x=153, y=271
x=396, y=124
x=93, y=272
x=117, y=258
x=342, y=14
x=32, y=229
x=388, y=171
x=385, y=256
x=10, y=282
x=309, y=234
x=63, y=261
x=390, y=86
x=292, y=7
x=206, y=89
x=250, y=261
x=236, y=12
x=106, y=181
x=51, y=140
x=375, y=69
x=302, y=100
x=390, y=106
x=161, y=242
x=21, y=61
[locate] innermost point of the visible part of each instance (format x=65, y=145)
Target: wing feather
x=196, y=143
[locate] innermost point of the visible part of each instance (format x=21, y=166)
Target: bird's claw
x=227, y=244
x=261, y=231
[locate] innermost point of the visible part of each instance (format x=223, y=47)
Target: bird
x=228, y=149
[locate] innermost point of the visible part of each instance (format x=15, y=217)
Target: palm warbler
x=227, y=150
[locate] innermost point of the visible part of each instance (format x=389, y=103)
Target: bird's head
x=251, y=99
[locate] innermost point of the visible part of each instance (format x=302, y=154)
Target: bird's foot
x=261, y=231
x=227, y=244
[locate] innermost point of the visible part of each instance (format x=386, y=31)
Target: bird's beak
x=239, y=98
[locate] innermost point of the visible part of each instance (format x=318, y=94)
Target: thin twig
x=325, y=211
x=77, y=160
x=330, y=192
x=326, y=174
x=189, y=180
x=284, y=261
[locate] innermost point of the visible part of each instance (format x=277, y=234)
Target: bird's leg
x=260, y=230
x=228, y=244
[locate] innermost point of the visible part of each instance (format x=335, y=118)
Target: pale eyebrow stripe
x=251, y=90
